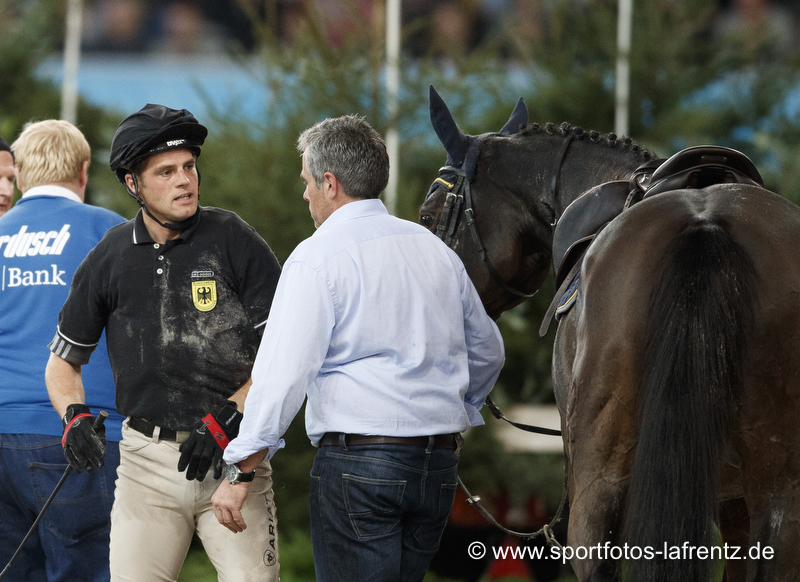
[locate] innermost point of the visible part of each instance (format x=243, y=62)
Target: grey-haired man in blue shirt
x=375, y=321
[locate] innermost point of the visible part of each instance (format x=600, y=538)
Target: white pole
x=392, y=90
x=622, y=96
x=72, y=57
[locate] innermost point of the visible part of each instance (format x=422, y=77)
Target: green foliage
x=29, y=31
x=252, y=166
x=24, y=42
x=567, y=67
x=691, y=82
x=487, y=469
x=296, y=556
x=259, y=179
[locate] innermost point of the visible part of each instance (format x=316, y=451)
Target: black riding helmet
x=153, y=129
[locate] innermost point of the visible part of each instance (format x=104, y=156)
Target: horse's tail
x=700, y=318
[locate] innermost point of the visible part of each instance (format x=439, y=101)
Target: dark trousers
x=378, y=511
x=71, y=541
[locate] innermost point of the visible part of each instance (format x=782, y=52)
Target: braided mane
x=606, y=139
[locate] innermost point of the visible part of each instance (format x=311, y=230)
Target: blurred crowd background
x=723, y=72
x=440, y=27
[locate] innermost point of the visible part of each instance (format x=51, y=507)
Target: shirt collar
x=351, y=210
x=52, y=190
x=141, y=236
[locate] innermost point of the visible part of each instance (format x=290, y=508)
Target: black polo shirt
x=183, y=319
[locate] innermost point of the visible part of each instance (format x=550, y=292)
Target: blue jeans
x=71, y=541
x=378, y=511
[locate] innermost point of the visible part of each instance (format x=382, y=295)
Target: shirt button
x=156, y=246
x=160, y=271
x=160, y=257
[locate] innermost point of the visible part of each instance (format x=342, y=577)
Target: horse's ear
x=518, y=118
x=453, y=139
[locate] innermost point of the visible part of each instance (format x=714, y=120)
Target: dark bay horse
x=532, y=174
x=676, y=371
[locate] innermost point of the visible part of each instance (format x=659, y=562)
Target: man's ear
x=129, y=181
x=84, y=178
x=330, y=185
x=16, y=178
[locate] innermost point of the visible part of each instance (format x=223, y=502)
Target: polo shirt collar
x=141, y=236
x=351, y=210
x=52, y=190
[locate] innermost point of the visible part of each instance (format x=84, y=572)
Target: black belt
x=148, y=428
x=440, y=441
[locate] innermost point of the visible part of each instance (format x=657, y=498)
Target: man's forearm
x=249, y=464
x=241, y=395
x=64, y=383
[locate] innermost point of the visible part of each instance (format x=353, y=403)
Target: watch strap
x=242, y=477
x=246, y=477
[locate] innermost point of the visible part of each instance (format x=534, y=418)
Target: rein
x=546, y=529
x=459, y=196
x=474, y=500
x=498, y=414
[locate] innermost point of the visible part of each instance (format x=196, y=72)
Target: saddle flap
x=702, y=166
x=582, y=219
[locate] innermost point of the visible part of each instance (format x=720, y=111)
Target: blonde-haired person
x=52, y=152
x=43, y=239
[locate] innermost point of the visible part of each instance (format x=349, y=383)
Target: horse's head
x=499, y=195
x=507, y=253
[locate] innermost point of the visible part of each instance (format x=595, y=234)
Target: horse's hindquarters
x=600, y=367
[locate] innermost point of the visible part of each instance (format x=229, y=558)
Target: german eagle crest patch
x=204, y=295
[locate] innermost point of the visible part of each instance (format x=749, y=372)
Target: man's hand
x=83, y=447
x=208, y=440
x=227, y=501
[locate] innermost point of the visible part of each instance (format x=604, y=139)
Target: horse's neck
x=587, y=164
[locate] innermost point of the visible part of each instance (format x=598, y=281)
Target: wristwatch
x=234, y=475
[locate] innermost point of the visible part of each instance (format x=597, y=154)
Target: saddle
x=582, y=221
x=703, y=166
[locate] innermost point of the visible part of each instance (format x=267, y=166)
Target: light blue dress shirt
x=377, y=322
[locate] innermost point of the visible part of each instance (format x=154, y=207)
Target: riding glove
x=84, y=447
x=208, y=440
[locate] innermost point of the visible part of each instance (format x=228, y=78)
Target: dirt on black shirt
x=183, y=319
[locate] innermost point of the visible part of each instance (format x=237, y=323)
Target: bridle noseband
x=458, y=195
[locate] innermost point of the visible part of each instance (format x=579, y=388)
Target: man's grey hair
x=350, y=149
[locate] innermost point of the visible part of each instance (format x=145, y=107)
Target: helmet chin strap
x=179, y=226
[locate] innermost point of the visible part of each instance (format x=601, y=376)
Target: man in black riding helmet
x=183, y=292
x=155, y=129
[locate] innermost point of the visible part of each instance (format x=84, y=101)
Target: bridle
x=458, y=195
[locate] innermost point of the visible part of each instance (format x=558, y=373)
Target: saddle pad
x=569, y=297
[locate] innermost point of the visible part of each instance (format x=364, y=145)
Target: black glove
x=84, y=447
x=208, y=439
